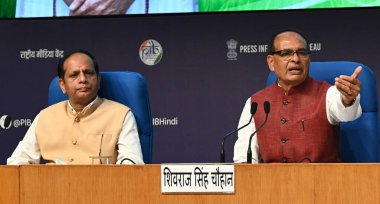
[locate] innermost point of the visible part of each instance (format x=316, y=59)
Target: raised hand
x=349, y=86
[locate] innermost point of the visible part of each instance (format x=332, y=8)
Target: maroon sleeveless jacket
x=297, y=128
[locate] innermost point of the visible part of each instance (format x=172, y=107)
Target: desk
x=264, y=183
x=9, y=186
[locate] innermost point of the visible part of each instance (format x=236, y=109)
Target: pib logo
x=150, y=52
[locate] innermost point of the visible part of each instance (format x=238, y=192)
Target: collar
x=297, y=88
x=85, y=108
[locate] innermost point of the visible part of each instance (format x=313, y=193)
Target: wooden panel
x=85, y=184
x=9, y=188
x=347, y=183
x=274, y=183
x=264, y=183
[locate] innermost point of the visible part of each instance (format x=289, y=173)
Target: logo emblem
x=5, y=122
x=150, y=52
x=232, y=54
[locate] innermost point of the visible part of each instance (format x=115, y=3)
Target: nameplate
x=197, y=178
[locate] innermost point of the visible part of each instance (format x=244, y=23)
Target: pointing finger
x=357, y=72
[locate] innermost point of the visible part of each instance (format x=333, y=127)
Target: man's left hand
x=349, y=86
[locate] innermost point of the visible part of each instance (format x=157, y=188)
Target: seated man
x=84, y=126
x=303, y=124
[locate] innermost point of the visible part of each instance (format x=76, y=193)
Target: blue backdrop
x=200, y=83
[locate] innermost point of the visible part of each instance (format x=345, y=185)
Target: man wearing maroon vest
x=82, y=128
x=303, y=122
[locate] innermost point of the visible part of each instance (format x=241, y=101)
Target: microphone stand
x=249, y=151
x=222, y=152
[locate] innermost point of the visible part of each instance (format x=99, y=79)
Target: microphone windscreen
x=253, y=108
x=266, y=107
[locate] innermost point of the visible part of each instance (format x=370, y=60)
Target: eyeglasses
x=288, y=54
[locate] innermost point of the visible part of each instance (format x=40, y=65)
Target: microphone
x=222, y=153
x=249, y=152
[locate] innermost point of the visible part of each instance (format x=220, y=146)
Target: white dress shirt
x=335, y=110
x=28, y=151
